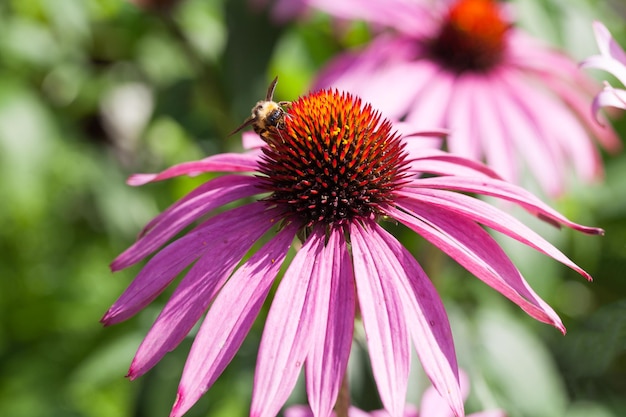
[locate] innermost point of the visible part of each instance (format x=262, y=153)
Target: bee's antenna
x=250, y=120
x=270, y=90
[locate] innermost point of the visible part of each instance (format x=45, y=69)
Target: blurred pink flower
x=432, y=405
x=506, y=98
x=613, y=60
x=327, y=177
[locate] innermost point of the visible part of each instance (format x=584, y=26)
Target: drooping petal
x=505, y=191
x=500, y=152
x=334, y=325
x=426, y=316
x=434, y=161
x=537, y=108
x=473, y=248
x=357, y=68
x=606, y=64
x=225, y=247
x=482, y=212
x=528, y=139
x=206, y=197
x=225, y=162
x=394, y=98
x=169, y=262
x=609, y=97
x=563, y=132
x=430, y=105
x=464, y=139
x=286, y=339
x=229, y=320
x=382, y=309
x=578, y=100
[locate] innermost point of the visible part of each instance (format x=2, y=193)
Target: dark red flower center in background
x=472, y=36
x=335, y=160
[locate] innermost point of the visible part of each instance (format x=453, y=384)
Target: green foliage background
x=92, y=91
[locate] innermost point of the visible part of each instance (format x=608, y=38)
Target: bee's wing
x=270, y=89
x=250, y=120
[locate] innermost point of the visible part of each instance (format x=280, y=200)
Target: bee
x=267, y=115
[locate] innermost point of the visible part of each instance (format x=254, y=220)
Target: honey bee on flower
x=267, y=115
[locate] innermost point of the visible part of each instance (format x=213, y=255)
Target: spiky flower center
x=335, y=160
x=472, y=36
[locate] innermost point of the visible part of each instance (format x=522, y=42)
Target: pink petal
x=609, y=65
x=431, y=104
x=393, y=87
x=221, y=334
x=496, y=145
x=170, y=261
x=505, y=191
x=298, y=411
x=409, y=17
x=225, y=162
x=350, y=71
x=574, y=141
x=609, y=97
x=207, y=197
x=225, y=247
x=537, y=111
x=434, y=161
x=435, y=405
x=288, y=332
x=578, y=100
x=474, y=249
x=482, y=212
x=252, y=141
x=528, y=139
x=228, y=184
x=382, y=309
x=535, y=57
x=425, y=312
x=334, y=324
x=460, y=119
x=608, y=47
x=607, y=44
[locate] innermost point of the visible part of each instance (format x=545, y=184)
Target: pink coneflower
x=432, y=405
x=328, y=177
x=460, y=64
x=612, y=59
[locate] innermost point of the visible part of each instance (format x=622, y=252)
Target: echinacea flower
x=612, y=59
x=327, y=176
x=432, y=405
x=506, y=98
